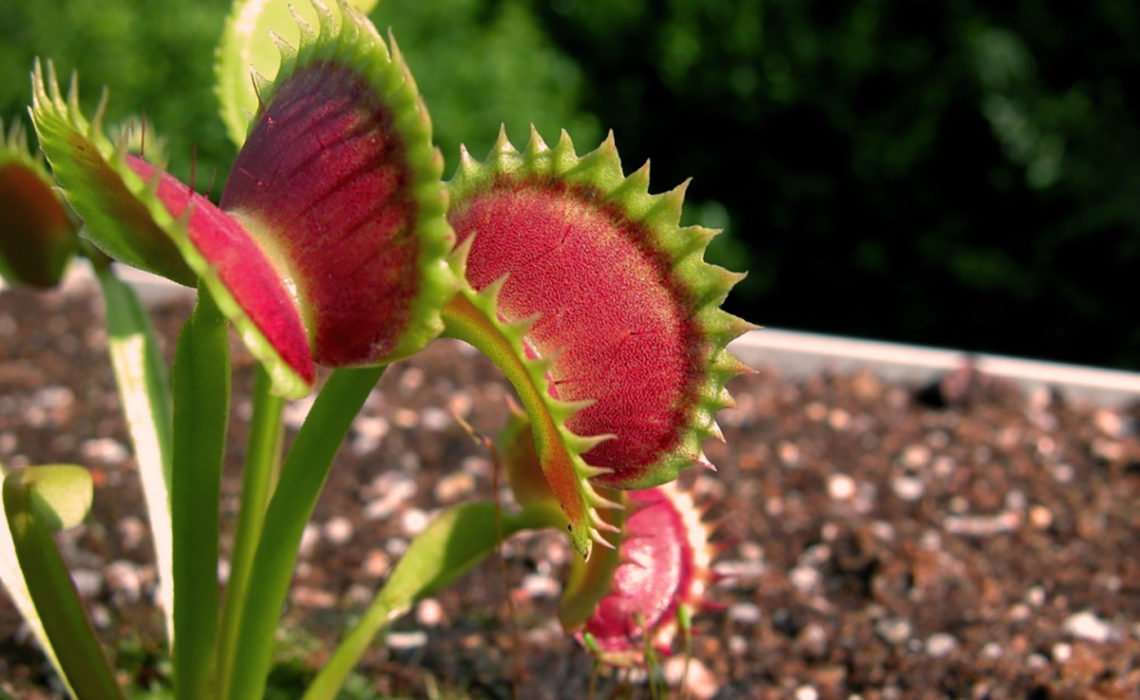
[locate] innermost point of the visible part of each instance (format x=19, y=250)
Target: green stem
x=261, y=459
x=302, y=476
x=458, y=539
x=60, y=612
x=144, y=391
x=201, y=410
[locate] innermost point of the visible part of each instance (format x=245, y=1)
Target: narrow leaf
x=302, y=477
x=28, y=495
x=201, y=408
x=144, y=390
x=457, y=540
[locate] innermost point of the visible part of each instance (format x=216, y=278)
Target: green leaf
x=247, y=47
x=302, y=477
x=262, y=459
x=13, y=580
x=144, y=391
x=201, y=409
x=60, y=494
x=36, y=501
x=458, y=539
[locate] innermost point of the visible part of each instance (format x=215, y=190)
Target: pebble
x=100, y=616
x=1020, y=612
x=368, y=433
x=916, y=456
x=429, y=612
x=411, y=378
x=1109, y=422
x=223, y=570
x=744, y=613
x=394, y=489
x=981, y=525
x=1041, y=517
x=54, y=397
x=435, y=419
x=476, y=465
x=310, y=597
x=1062, y=652
x=105, y=450
x=406, y=418
x=132, y=531
x=838, y=419
x=359, y=595
x=804, y=578
x=87, y=582
x=789, y=453
x=908, y=488
x=814, y=639
x=376, y=564
x=1086, y=625
x=944, y=466
x=865, y=499
x=413, y=521
x=700, y=683
x=940, y=644
x=883, y=530
x=123, y=577
x=540, y=586
x=460, y=403
x=1036, y=662
x=893, y=630
x=736, y=569
x=337, y=530
x=454, y=486
x=806, y=692
x=841, y=487
x=1063, y=473
x=405, y=641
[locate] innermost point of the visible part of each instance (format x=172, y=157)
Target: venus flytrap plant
x=336, y=244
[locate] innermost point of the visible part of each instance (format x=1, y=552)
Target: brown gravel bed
x=880, y=542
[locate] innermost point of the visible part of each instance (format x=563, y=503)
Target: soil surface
x=957, y=540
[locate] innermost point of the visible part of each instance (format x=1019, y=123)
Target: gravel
x=878, y=540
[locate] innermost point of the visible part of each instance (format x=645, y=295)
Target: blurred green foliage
x=953, y=173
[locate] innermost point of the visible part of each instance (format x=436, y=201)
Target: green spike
x=536, y=144
x=637, y=183
x=458, y=257
x=601, y=503
x=522, y=325
x=583, y=443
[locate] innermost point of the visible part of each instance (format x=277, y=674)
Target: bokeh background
x=962, y=173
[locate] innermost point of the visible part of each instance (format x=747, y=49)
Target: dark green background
x=960, y=173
